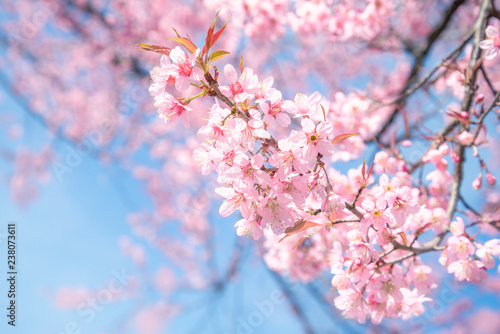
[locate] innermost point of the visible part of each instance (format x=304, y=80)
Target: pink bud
x=406, y=143
x=465, y=138
x=480, y=98
x=476, y=184
x=454, y=156
x=444, y=149
x=491, y=179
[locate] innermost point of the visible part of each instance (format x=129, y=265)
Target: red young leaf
x=210, y=34
x=458, y=116
x=303, y=225
x=363, y=169
x=154, y=48
x=339, y=138
x=218, y=33
x=324, y=113
x=307, y=236
x=369, y=172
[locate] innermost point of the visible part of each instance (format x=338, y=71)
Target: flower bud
x=476, y=184
x=491, y=179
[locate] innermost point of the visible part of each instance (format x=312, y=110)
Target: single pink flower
x=492, y=42
x=467, y=270
x=161, y=77
x=241, y=88
x=487, y=251
x=249, y=228
x=170, y=109
x=460, y=246
x=303, y=105
x=352, y=304
x=288, y=158
x=265, y=90
x=273, y=110
x=314, y=139
x=375, y=214
x=184, y=69
x=412, y=303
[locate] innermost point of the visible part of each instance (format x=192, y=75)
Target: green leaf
x=186, y=43
x=217, y=55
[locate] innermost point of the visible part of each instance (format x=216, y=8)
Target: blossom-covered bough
x=274, y=161
x=410, y=86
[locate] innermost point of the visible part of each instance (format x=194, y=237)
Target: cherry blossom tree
x=351, y=142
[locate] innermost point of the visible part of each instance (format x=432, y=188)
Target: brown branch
x=419, y=59
x=354, y=210
x=488, y=81
x=470, y=90
x=294, y=304
x=484, y=114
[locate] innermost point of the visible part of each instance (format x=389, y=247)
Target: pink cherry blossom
x=289, y=157
x=465, y=138
x=241, y=88
x=274, y=111
x=460, y=246
x=457, y=227
x=266, y=91
x=314, y=139
x=467, y=270
x=250, y=228
x=303, y=105
x=488, y=251
x=183, y=68
x=352, y=304
x=170, y=109
x=375, y=214
x=492, y=42
x=412, y=304
x=161, y=77
x=237, y=197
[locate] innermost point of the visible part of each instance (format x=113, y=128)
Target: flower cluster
x=272, y=159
